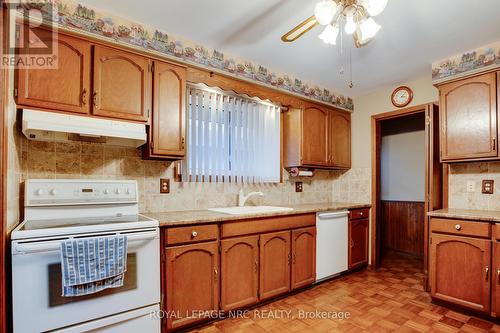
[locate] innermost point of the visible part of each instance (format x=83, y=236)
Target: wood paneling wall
x=402, y=226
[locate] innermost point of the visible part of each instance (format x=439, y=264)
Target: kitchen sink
x=250, y=210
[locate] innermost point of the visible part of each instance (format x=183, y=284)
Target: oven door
x=36, y=284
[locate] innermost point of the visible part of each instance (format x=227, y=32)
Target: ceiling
x=414, y=34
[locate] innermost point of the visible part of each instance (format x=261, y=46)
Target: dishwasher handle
x=328, y=215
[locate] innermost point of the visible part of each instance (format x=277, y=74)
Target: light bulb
x=374, y=7
x=369, y=29
x=325, y=11
x=329, y=35
x=350, y=25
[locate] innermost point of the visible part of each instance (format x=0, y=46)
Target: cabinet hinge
x=18, y=34
x=15, y=92
x=220, y=248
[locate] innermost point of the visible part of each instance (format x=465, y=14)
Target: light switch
x=487, y=187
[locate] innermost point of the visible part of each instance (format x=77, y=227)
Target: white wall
x=403, y=166
x=379, y=102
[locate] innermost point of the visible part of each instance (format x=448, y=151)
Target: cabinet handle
x=84, y=97
x=94, y=98
x=194, y=234
x=182, y=143
x=487, y=271
x=289, y=258
x=458, y=227
x=256, y=266
x=352, y=243
x=498, y=275
x=216, y=274
x=294, y=258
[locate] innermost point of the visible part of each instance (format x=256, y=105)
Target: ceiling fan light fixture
x=350, y=25
x=325, y=11
x=374, y=7
x=329, y=35
x=368, y=28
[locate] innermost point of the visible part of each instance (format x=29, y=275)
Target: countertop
x=467, y=214
x=177, y=218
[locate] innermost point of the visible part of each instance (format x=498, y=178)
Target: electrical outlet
x=298, y=187
x=164, y=185
x=487, y=187
x=470, y=186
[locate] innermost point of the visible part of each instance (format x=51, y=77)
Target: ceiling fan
x=356, y=16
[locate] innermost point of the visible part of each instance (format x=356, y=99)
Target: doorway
x=406, y=181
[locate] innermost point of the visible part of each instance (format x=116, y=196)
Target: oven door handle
x=52, y=246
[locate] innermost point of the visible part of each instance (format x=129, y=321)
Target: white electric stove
x=57, y=210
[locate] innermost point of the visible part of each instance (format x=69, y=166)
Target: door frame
x=4, y=19
x=376, y=121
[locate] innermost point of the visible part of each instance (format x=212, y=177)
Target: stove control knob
x=53, y=192
x=106, y=191
x=39, y=192
x=117, y=191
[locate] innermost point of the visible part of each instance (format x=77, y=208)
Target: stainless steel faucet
x=243, y=198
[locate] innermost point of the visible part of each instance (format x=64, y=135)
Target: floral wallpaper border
x=483, y=58
x=73, y=15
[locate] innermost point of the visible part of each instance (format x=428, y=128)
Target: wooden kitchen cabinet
x=166, y=135
x=317, y=137
x=469, y=118
x=460, y=270
x=239, y=272
x=192, y=282
x=65, y=88
x=358, y=242
x=340, y=140
x=495, y=280
x=303, y=257
x=275, y=260
x=121, y=84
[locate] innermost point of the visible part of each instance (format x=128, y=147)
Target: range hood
x=51, y=126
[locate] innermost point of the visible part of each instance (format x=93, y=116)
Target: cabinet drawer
x=359, y=213
x=461, y=227
x=192, y=234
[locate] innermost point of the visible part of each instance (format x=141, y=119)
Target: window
x=231, y=138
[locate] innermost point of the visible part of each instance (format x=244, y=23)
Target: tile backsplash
x=38, y=159
x=461, y=174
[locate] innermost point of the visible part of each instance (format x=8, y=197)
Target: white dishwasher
x=331, y=244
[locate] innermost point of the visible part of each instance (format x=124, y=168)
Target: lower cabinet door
x=192, y=282
x=239, y=272
x=495, y=283
x=460, y=270
x=303, y=257
x=275, y=260
x=358, y=243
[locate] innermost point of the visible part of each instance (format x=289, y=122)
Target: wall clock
x=401, y=96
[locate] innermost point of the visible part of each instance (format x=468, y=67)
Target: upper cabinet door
x=469, y=118
x=315, y=136
x=169, y=96
x=65, y=88
x=340, y=139
x=121, y=84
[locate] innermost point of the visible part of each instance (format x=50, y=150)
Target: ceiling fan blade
x=300, y=29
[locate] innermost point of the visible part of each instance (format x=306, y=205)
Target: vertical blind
x=231, y=138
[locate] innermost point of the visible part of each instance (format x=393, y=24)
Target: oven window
x=55, y=284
